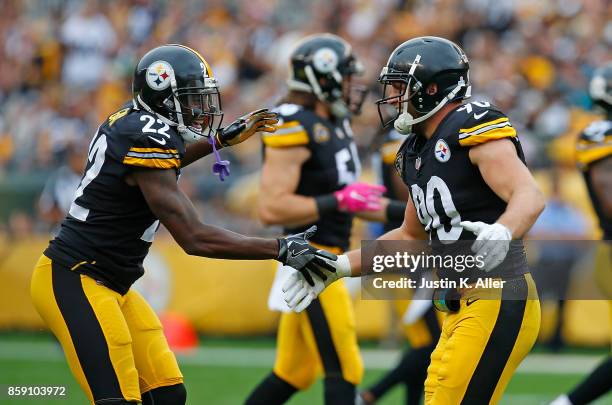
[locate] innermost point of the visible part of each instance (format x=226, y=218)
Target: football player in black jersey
x=594, y=156
x=456, y=165
x=419, y=319
x=111, y=337
x=309, y=177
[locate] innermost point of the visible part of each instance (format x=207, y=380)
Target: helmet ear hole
x=168, y=103
x=431, y=89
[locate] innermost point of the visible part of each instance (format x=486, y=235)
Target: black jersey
x=388, y=151
x=447, y=188
x=333, y=164
x=109, y=228
x=595, y=145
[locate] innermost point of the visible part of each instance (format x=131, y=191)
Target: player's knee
x=169, y=395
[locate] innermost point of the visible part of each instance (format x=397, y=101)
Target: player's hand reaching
x=492, y=242
x=296, y=252
x=358, y=197
x=244, y=127
x=298, y=293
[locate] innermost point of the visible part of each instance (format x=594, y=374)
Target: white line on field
x=376, y=359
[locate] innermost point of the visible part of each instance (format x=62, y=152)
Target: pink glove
x=360, y=197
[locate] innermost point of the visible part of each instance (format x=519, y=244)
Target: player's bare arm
x=280, y=205
x=174, y=209
x=176, y=212
x=495, y=160
x=411, y=229
x=390, y=210
x=280, y=175
x=601, y=178
x=380, y=215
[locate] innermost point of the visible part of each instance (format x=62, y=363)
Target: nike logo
x=159, y=141
x=470, y=301
x=356, y=196
x=296, y=254
x=479, y=116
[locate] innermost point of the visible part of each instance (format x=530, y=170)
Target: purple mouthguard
x=220, y=167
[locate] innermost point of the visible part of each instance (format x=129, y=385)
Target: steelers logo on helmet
x=325, y=60
x=442, y=151
x=158, y=75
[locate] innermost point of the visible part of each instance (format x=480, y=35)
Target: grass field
x=222, y=372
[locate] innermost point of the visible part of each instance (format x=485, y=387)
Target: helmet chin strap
x=147, y=108
x=403, y=124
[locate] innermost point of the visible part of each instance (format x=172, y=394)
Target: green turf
x=230, y=385
x=220, y=385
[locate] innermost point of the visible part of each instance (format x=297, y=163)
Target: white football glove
x=298, y=293
x=492, y=242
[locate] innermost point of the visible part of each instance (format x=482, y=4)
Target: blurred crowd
x=67, y=64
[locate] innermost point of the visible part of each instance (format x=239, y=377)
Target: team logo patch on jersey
x=158, y=75
x=442, y=151
x=321, y=133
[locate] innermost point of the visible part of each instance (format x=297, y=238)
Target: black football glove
x=244, y=127
x=295, y=251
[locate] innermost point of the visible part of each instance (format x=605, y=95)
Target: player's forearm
x=354, y=256
x=178, y=215
x=197, y=151
x=390, y=210
x=524, y=207
x=288, y=210
x=379, y=215
x=211, y=241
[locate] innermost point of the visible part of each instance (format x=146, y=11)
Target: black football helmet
x=411, y=69
x=323, y=64
x=175, y=83
x=600, y=87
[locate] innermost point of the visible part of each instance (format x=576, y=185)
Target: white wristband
x=343, y=266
